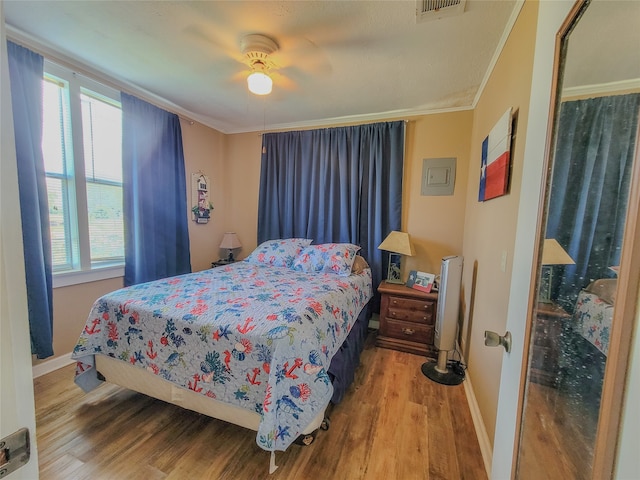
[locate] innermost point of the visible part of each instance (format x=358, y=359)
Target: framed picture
x=495, y=164
x=201, y=206
x=421, y=281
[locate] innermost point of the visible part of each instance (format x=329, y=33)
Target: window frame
x=83, y=269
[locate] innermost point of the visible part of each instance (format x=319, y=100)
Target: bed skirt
x=346, y=360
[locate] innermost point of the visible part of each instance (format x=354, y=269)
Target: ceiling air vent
x=434, y=9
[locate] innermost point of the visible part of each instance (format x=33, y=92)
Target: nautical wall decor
x=201, y=206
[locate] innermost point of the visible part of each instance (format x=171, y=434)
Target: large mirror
x=577, y=347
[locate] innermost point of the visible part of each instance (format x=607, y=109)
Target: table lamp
x=397, y=244
x=552, y=254
x=230, y=242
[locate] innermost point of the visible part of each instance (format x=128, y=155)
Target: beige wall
x=490, y=227
x=242, y=188
x=435, y=223
x=204, y=152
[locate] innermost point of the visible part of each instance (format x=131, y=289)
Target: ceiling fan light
x=259, y=83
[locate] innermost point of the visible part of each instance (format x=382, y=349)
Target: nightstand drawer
x=414, y=332
x=411, y=310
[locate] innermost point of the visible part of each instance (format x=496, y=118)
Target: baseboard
x=49, y=366
x=481, y=431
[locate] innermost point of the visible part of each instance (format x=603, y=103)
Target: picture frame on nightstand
x=421, y=281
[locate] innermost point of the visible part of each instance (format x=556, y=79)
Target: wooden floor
x=393, y=424
x=559, y=435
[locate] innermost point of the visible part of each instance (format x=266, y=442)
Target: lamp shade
x=230, y=240
x=554, y=254
x=259, y=83
x=398, y=242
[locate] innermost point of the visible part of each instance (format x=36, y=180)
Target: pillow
x=279, y=253
x=359, y=265
x=605, y=288
x=335, y=258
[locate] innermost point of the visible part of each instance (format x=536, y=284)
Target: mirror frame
x=627, y=294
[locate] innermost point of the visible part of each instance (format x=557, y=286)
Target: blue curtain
x=334, y=185
x=590, y=187
x=26, y=72
x=155, y=198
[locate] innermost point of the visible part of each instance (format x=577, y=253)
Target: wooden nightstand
x=221, y=263
x=407, y=319
x=549, y=329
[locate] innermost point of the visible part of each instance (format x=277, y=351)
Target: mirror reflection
x=591, y=169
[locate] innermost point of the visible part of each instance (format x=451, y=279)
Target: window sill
x=66, y=279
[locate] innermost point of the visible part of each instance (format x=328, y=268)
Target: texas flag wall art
x=496, y=157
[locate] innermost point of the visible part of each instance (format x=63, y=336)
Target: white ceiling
x=339, y=60
x=604, y=48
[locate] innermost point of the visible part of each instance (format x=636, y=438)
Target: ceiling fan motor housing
x=256, y=49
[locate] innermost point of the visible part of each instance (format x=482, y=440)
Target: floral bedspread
x=593, y=320
x=255, y=336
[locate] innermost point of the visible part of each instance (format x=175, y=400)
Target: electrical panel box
x=438, y=176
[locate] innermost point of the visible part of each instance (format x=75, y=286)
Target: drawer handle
x=408, y=331
x=395, y=302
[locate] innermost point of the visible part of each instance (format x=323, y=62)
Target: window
x=82, y=149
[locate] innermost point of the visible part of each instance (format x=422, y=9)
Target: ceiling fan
x=256, y=49
x=285, y=60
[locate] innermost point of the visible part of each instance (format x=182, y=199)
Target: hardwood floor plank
x=394, y=423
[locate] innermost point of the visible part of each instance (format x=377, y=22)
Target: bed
x=265, y=343
x=587, y=345
x=594, y=312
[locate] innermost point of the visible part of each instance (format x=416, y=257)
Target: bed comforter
x=252, y=335
x=593, y=318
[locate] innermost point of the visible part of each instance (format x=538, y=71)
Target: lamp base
x=393, y=271
x=230, y=258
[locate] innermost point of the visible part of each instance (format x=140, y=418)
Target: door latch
x=15, y=451
x=492, y=339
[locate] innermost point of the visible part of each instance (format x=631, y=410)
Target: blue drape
x=154, y=188
x=26, y=72
x=590, y=187
x=334, y=185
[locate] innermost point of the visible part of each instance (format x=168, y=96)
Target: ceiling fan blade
x=214, y=44
x=283, y=82
x=303, y=54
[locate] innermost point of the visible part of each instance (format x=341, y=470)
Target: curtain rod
x=336, y=126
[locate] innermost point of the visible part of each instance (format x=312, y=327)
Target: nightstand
x=550, y=327
x=407, y=319
x=221, y=263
